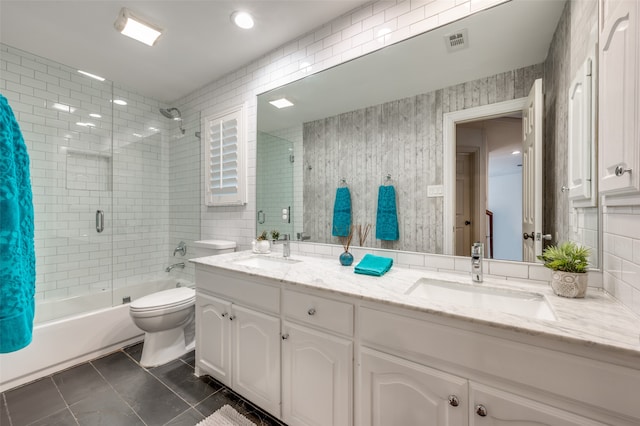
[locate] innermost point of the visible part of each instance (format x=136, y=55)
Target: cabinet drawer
x=252, y=291
x=318, y=311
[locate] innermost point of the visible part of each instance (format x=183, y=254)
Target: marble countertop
x=598, y=320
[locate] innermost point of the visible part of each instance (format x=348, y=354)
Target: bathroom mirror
x=379, y=120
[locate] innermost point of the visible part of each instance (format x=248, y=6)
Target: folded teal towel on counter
x=17, y=255
x=373, y=265
x=387, y=218
x=342, y=213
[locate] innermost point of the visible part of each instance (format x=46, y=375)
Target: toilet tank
x=205, y=248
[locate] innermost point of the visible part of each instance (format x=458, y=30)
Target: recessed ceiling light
x=88, y=74
x=132, y=26
x=281, y=103
x=242, y=20
x=120, y=102
x=94, y=115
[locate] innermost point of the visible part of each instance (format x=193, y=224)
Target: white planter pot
x=569, y=284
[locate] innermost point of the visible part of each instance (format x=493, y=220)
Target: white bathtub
x=75, y=337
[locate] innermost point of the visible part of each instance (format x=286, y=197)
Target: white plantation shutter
x=224, y=158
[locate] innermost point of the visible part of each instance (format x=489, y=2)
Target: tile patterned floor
x=115, y=390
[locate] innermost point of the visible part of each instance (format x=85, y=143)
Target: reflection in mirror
x=382, y=114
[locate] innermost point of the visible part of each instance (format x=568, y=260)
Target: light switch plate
x=434, y=191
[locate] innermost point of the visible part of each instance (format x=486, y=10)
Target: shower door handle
x=99, y=221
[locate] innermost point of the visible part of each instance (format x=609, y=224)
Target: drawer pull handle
x=481, y=410
x=285, y=336
x=311, y=311
x=232, y=317
x=454, y=401
x=621, y=170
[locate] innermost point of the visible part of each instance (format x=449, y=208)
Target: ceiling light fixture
x=88, y=74
x=242, y=20
x=132, y=26
x=281, y=103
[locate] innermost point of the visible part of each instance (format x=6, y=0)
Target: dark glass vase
x=346, y=259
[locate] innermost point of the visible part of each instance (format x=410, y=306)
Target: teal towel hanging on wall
x=387, y=217
x=17, y=254
x=341, y=213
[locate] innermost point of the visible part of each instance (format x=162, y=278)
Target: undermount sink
x=525, y=304
x=267, y=263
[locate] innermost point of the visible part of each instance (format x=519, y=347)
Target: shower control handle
x=99, y=221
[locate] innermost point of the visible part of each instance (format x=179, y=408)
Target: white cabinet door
x=394, y=391
x=619, y=141
x=213, y=344
x=316, y=378
x=256, y=357
x=494, y=407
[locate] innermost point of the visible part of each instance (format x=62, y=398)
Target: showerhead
x=173, y=114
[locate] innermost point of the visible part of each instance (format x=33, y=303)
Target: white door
x=213, y=344
x=465, y=203
x=394, y=391
x=532, y=128
x=491, y=407
x=256, y=357
x=618, y=102
x=316, y=378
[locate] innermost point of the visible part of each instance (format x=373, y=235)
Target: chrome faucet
x=182, y=249
x=477, y=252
x=286, y=248
x=175, y=265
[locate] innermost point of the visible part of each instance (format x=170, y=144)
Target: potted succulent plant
x=261, y=243
x=569, y=263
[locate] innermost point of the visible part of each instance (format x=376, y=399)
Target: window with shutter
x=224, y=144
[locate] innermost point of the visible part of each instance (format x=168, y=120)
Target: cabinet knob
x=621, y=170
x=285, y=336
x=232, y=317
x=224, y=314
x=481, y=410
x=311, y=311
x=454, y=401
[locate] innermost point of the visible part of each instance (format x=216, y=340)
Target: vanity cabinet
x=619, y=112
x=236, y=343
x=317, y=360
x=394, y=391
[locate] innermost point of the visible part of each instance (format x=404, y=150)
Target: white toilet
x=167, y=317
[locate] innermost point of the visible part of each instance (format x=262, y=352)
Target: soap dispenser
x=477, y=253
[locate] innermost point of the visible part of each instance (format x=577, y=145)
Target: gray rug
x=226, y=416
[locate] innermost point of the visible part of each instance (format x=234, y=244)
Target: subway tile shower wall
x=75, y=171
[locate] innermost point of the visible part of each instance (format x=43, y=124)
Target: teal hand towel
x=17, y=255
x=342, y=213
x=387, y=217
x=373, y=265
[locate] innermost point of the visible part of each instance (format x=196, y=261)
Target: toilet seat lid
x=165, y=298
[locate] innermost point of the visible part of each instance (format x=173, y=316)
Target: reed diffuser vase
x=346, y=258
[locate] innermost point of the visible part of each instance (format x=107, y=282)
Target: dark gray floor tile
x=104, y=409
x=189, y=358
x=79, y=382
x=4, y=414
x=61, y=418
x=33, y=401
x=180, y=378
x=151, y=400
x=188, y=418
x=134, y=351
x=118, y=367
x=217, y=400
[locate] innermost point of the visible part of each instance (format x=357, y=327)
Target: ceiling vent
x=457, y=41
